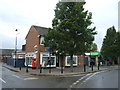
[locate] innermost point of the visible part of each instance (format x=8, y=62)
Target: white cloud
x=104, y=14
x=21, y=14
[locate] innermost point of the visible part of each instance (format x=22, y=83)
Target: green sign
x=95, y=53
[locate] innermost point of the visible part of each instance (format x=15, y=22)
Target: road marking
x=2, y=80
x=84, y=77
x=76, y=75
x=75, y=83
x=90, y=76
x=30, y=78
x=16, y=76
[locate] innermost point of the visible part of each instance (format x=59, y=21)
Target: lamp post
x=36, y=48
x=15, y=48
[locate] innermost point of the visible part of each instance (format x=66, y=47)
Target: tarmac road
x=15, y=80
x=105, y=79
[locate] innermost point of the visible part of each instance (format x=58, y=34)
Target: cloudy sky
x=21, y=14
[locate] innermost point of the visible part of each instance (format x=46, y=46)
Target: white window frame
x=20, y=56
x=47, y=55
x=41, y=40
x=66, y=64
x=29, y=55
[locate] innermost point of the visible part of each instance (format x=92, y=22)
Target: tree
x=117, y=46
x=109, y=47
x=71, y=33
x=94, y=47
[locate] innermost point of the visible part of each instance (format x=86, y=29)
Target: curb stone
x=60, y=75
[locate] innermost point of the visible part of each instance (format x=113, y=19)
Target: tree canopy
x=71, y=33
x=111, y=44
x=94, y=47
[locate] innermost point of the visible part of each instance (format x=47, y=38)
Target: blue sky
x=21, y=14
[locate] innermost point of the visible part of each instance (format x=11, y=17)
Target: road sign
x=48, y=49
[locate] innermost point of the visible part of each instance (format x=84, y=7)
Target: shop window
x=46, y=61
x=68, y=61
x=28, y=59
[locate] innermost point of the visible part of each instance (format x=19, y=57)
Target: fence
x=15, y=62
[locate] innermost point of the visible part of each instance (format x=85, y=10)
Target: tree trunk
x=62, y=63
x=62, y=60
x=71, y=62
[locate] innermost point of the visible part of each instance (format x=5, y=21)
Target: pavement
x=57, y=71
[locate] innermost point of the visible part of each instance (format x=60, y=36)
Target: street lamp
x=15, y=48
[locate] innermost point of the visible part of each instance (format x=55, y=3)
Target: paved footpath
x=57, y=71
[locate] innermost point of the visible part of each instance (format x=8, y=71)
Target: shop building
x=35, y=50
x=94, y=57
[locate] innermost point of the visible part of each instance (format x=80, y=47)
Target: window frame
x=41, y=40
x=66, y=61
x=47, y=56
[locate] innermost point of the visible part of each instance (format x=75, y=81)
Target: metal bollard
x=27, y=69
x=49, y=66
x=61, y=69
x=92, y=67
x=98, y=66
x=40, y=68
x=20, y=68
x=84, y=68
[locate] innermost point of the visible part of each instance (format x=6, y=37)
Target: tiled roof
x=41, y=30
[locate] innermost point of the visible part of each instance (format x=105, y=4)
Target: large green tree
x=117, y=46
x=71, y=33
x=94, y=47
x=110, y=47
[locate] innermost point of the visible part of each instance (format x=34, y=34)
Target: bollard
x=84, y=68
x=20, y=68
x=92, y=67
x=49, y=66
x=98, y=66
x=61, y=69
x=40, y=68
x=27, y=69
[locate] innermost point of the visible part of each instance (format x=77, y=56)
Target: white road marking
x=84, y=77
x=77, y=75
x=78, y=81
x=30, y=78
x=88, y=75
x=75, y=83
x=2, y=80
x=17, y=76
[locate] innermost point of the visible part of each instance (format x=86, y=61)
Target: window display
x=68, y=61
x=47, y=60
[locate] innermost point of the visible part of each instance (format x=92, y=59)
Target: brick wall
x=33, y=39
x=81, y=60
